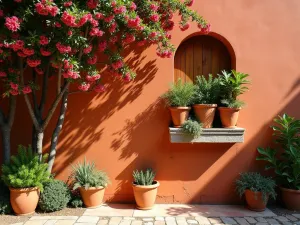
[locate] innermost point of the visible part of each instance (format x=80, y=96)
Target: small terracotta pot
x=255, y=201
x=229, y=116
x=145, y=196
x=205, y=114
x=179, y=115
x=93, y=196
x=24, y=200
x=291, y=198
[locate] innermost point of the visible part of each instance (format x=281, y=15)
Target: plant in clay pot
x=232, y=85
x=285, y=159
x=90, y=182
x=257, y=190
x=24, y=176
x=178, y=98
x=206, y=97
x=144, y=188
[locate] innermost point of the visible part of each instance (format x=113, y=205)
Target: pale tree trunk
x=39, y=144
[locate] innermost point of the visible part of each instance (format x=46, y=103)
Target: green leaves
x=207, y=90
x=144, y=178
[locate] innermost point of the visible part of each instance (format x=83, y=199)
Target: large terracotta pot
x=92, y=197
x=205, y=114
x=255, y=201
x=24, y=200
x=229, y=116
x=179, y=115
x=291, y=198
x=145, y=196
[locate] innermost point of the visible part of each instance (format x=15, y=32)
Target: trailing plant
x=232, y=85
x=180, y=94
x=192, y=127
x=56, y=196
x=256, y=183
x=65, y=39
x=284, y=159
x=143, y=177
x=86, y=175
x=25, y=170
x=76, y=202
x=207, y=90
x=5, y=207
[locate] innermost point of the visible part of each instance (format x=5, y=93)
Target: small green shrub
x=192, y=127
x=76, y=202
x=207, y=90
x=25, y=170
x=5, y=207
x=86, y=175
x=144, y=178
x=180, y=94
x=256, y=183
x=56, y=196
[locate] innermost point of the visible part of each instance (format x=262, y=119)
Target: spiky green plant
x=207, y=90
x=25, y=170
x=143, y=177
x=193, y=128
x=232, y=85
x=180, y=94
x=86, y=175
x=256, y=183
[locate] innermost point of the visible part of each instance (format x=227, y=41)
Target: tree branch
x=12, y=110
x=35, y=106
x=2, y=118
x=59, y=80
x=44, y=90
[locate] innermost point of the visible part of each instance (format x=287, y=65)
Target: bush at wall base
x=5, y=207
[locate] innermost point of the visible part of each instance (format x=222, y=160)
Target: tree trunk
x=39, y=144
x=34, y=140
x=57, y=130
x=6, y=143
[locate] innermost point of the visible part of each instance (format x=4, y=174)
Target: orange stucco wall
x=127, y=127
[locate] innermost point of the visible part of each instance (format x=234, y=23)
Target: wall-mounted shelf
x=209, y=135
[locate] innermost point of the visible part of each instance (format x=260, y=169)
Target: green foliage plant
x=25, y=170
x=180, y=94
x=76, y=202
x=55, y=197
x=284, y=159
x=192, y=127
x=232, y=85
x=207, y=90
x=5, y=207
x=144, y=177
x=256, y=183
x=86, y=175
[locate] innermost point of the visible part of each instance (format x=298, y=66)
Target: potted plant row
x=284, y=159
x=205, y=96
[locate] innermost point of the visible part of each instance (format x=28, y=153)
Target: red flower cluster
x=12, y=23
x=44, y=40
x=33, y=62
x=44, y=9
x=84, y=86
x=63, y=48
x=92, y=78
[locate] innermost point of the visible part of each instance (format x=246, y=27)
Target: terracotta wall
x=127, y=127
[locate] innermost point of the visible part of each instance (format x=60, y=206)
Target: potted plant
x=25, y=175
x=257, y=190
x=90, y=182
x=178, y=98
x=285, y=159
x=206, y=97
x=232, y=85
x=144, y=188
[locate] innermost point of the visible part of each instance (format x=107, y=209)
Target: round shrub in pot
x=257, y=190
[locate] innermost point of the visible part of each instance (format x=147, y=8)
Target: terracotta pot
x=255, y=201
x=229, y=116
x=145, y=196
x=179, y=115
x=291, y=198
x=205, y=114
x=92, y=197
x=24, y=200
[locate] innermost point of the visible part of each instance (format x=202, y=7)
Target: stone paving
x=210, y=215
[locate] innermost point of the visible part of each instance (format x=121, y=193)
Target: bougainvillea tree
x=64, y=39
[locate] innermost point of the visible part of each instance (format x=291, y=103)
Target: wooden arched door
x=200, y=55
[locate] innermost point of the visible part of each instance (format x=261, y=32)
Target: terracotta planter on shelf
x=145, y=196
x=229, y=116
x=179, y=115
x=255, y=201
x=291, y=198
x=205, y=114
x=92, y=197
x=24, y=200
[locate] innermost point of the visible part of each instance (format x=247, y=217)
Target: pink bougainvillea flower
x=39, y=71
x=26, y=90
x=14, y=86
x=70, y=33
x=88, y=49
x=205, y=28
x=1, y=13
x=41, y=9
x=108, y=19
x=68, y=65
x=94, y=22
x=92, y=60
x=68, y=4
x=53, y=10
x=102, y=45
x=18, y=45
x=68, y=19
x=189, y=2
x=99, y=88
x=57, y=24
x=117, y=65
x=44, y=40
x=169, y=25
x=154, y=7
x=113, y=39
x=142, y=43
x=12, y=23
x=96, y=32
x=63, y=48
x=120, y=10
x=184, y=27
x=3, y=74
x=99, y=16
x=84, y=86
x=14, y=92
x=92, y=78
x=127, y=77
x=134, y=22
x=154, y=18
x=129, y=38
x=33, y=62
x=21, y=54
x=45, y=52
x=92, y=4
x=112, y=28
x=28, y=51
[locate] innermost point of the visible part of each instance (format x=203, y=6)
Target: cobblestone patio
x=117, y=214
